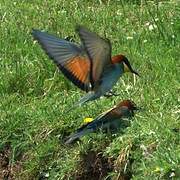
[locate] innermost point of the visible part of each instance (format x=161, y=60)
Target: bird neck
x=117, y=59
x=120, y=66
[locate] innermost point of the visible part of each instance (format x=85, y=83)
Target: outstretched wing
x=98, y=50
x=69, y=57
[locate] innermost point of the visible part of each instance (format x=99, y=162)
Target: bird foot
x=110, y=94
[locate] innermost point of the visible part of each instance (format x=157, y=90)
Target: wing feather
x=98, y=50
x=69, y=57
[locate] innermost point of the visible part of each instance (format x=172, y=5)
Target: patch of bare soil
x=94, y=166
x=8, y=170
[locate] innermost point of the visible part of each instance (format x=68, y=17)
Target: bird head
x=125, y=62
x=127, y=107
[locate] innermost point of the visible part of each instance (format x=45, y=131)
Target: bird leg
x=111, y=93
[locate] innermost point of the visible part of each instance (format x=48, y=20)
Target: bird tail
x=88, y=97
x=74, y=137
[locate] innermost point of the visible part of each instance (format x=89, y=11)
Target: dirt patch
x=8, y=170
x=94, y=166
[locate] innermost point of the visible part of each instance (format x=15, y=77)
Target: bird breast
x=109, y=78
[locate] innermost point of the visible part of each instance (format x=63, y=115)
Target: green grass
x=34, y=96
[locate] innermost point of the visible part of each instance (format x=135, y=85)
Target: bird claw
x=110, y=94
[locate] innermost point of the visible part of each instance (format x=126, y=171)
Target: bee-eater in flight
x=108, y=121
x=89, y=65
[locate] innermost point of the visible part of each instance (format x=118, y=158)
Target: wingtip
x=38, y=34
x=78, y=27
x=71, y=141
x=35, y=32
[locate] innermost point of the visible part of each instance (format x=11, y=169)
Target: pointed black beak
x=129, y=67
x=136, y=73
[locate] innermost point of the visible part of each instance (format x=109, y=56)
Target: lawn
x=34, y=96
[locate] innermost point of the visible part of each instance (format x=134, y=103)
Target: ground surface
x=34, y=96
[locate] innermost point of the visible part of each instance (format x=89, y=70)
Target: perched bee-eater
x=89, y=65
x=109, y=121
